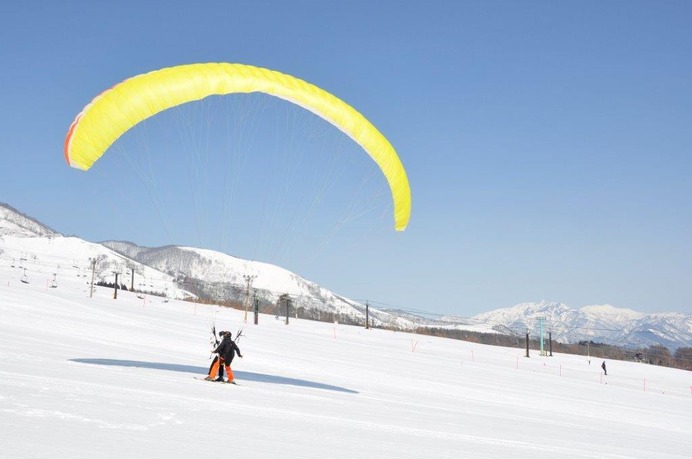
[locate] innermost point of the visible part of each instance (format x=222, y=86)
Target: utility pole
x=550, y=342
x=288, y=307
x=249, y=279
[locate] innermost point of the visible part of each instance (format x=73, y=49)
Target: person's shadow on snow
x=240, y=375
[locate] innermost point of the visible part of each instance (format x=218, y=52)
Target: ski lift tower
x=115, y=290
x=285, y=301
x=249, y=279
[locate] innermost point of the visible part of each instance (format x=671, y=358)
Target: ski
x=215, y=381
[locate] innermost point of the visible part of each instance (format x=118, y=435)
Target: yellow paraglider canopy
x=124, y=105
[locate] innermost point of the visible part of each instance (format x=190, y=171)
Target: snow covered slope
x=97, y=378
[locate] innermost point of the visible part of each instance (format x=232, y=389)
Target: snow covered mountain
x=38, y=252
x=16, y=223
x=603, y=324
x=219, y=276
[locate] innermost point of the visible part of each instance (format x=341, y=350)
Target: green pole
x=540, y=321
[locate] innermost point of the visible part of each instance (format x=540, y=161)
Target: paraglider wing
x=116, y=110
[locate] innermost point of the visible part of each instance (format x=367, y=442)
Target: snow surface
x=96, y=377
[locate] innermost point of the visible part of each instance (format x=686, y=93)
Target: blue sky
x=547, y=143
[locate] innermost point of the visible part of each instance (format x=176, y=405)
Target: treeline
x=112, y=285
x=125, y=288
x=653, y=355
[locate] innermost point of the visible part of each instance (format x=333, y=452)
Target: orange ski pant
x=215, y=369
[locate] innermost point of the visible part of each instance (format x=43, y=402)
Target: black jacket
x=227, y=349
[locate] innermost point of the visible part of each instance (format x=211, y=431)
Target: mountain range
x=35, y=250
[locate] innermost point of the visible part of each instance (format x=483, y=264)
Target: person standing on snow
x=214, y=368
x=604, y=368
x=226, y=352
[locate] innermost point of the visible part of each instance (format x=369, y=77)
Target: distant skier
x=603, y=365
x=226, y=352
